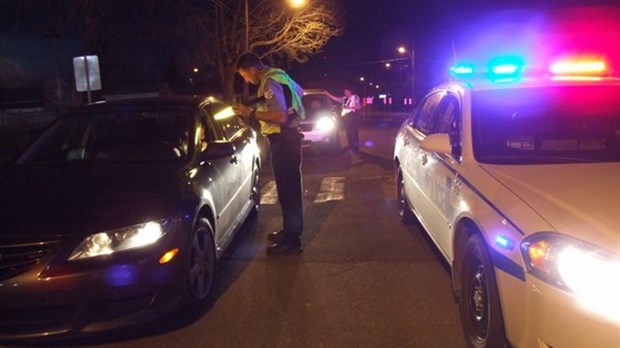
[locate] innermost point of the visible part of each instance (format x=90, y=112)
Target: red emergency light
x=579, y=67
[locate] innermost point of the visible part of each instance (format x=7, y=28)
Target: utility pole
x=246, y=48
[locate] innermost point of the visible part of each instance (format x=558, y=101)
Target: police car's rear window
x=547, y=125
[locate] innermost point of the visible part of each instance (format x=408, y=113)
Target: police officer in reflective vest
x=279, y=111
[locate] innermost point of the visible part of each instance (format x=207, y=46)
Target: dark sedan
x=117, y=214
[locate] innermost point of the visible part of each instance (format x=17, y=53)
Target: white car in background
x=516, y=178
x=321, y=127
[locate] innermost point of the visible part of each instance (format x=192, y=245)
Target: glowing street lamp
x=297, y=3
x=411, y=54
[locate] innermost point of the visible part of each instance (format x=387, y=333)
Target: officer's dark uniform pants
x=286, y=164
x=351, y=124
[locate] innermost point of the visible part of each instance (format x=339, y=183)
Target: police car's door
x=440, y=184
x=414, y=159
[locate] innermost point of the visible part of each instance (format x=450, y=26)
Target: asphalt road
x=364, y=279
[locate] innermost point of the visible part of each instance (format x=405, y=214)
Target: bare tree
x=275, y=31
x=295, y=35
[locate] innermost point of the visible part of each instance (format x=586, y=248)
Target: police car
x=514, y=172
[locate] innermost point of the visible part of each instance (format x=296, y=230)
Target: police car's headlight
x=589, y=272
x=325, y=123
x=105, y=243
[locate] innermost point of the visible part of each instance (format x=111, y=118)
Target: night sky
x=438, y=30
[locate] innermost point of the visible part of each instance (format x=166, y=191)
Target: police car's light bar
x=506, y=69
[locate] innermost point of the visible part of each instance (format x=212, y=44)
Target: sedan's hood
x=582, y=200
x=86, y=198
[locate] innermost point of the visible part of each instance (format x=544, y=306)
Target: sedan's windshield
x=118, y=135
x=547, y=125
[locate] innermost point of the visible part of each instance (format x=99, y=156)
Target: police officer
x=350, y=103
x=279, y=112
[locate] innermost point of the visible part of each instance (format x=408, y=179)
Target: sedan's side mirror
x=218, y=149
x=438, y=142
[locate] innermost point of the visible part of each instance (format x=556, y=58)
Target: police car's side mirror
x=438, y=142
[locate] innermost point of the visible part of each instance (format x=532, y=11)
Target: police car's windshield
x=547, y=125
x=112, y=136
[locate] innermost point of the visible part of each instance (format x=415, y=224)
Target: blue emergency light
x=500, y=69
x=463, y=70
x=505, y=69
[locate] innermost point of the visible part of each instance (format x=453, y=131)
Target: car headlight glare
x=105, y=243
x=589, y=272
x=325, y=124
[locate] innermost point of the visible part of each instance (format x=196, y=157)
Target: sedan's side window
x=231, y=126
x=206, y=132
x=426, y=114
x=213, y=131
x=226, y=121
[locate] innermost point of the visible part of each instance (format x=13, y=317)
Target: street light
x=297, y=3
x=411, y=55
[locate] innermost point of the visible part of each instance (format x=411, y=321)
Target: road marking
x=332, y=189
x=270, y=195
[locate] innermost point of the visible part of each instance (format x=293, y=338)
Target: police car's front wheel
x=481, y=314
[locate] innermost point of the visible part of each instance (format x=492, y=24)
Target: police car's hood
x=582, y=200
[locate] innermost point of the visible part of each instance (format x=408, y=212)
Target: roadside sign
x=86, y=70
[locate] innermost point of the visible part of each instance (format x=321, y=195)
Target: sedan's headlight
x=589, y=272
x=325, y=123
x=105, y=243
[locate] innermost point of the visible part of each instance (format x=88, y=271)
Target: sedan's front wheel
x=201, y=267
x=481, y=314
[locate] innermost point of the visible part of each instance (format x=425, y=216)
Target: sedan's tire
x=201, y=265
x=404, y=210
x=479, y=305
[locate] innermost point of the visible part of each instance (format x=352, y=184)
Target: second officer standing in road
x=279, y=114
x=350, y=106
